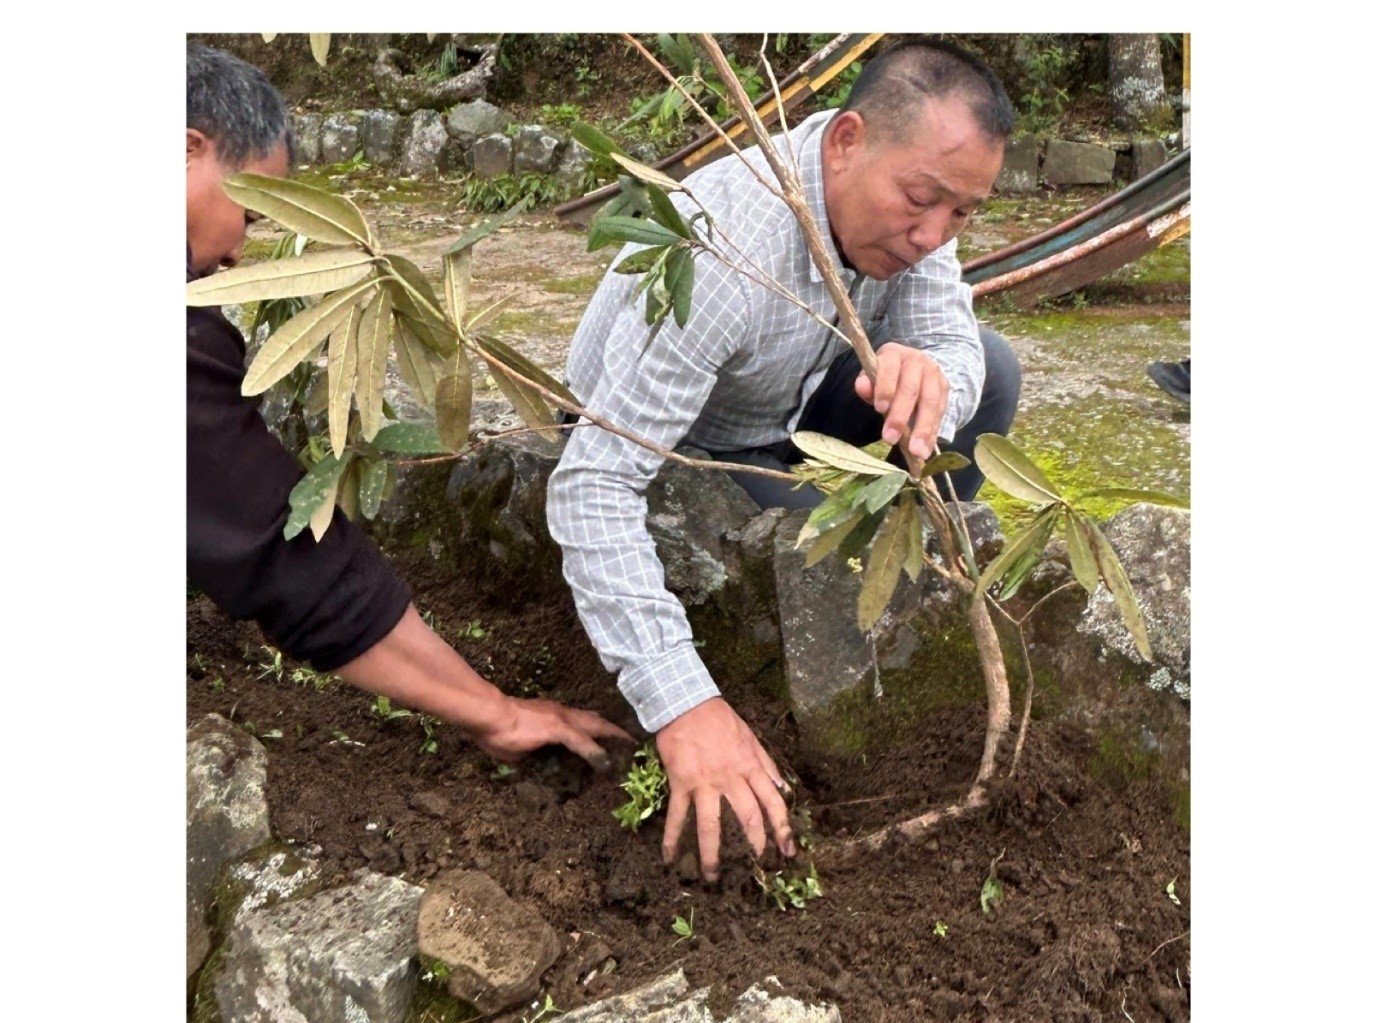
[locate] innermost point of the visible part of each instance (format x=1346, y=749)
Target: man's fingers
x=708, y=832
x=769, y=796
x=885, y=386
x=904, y=402
x=592, y=724
x=586, y=748
x=863, y=387
x=929, y=411
x=745, y=806
x=770, y=769
x=676, y=820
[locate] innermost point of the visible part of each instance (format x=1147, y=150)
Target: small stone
x=307, y=135
x=1021, y=165
x=492, y=156
x=535, y=150
x=495, y=948
x=1077, y=163
x=476, y=118
x=379, y=135
x=424, y=138
x=340, y=137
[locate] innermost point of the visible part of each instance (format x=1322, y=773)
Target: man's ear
x=198, y=145
x=843, y=138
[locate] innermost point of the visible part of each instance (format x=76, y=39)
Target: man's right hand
x=710, y=754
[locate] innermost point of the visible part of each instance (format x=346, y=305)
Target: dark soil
x=1085, y=930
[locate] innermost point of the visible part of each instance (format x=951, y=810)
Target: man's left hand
x=911, y=392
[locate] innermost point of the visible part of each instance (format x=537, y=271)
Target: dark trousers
x=836, y=409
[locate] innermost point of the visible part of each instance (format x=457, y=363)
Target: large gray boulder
x=424, y=138
x=1021, y=165
x=307, y=134
x=340, y=137
x=227, y=815
x=492, y=156
x=345, y=955
x=848, y=689
x=379, y=135
x=478, y=117
x=1147, y=156
x=535, y=150
x=495, y=950
x=571, y=166
x=1077, y=163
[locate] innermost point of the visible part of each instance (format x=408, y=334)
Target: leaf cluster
x=507, y=191
x=373, y=308
x=1092, y=558
x=646, y=787
x=786, y=890
x=699, y=78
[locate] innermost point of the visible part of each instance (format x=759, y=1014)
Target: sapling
x=684, y=927
x=646, y=787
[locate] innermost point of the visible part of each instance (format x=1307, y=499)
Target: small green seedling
x=940, y=929
x=272, y=662
x=549, y=1008
x=685, y=926
x=385, y=711
x=429, y=741
x=216, y=683
x=474, y=631
x=646, y=786
x=1171, y=892
x=503, y=771
x=786, y=891
x=992, y=892
x=338, y=736
x=318, y=680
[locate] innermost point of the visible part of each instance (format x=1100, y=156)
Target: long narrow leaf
x=833, y=537
x=484, y=229
x=298, y=207
x=884, y=567
x=1082, y=560
x=1145, y=496
x=883, y=489
x=316, y=273
x=1012, y=472
x=637, y=230
x=373, y=345
x=1116, y=579
x=456, y=279
x=1037, y=533
x=515, y=360
x=417, y=364
x=342, y=356
x=453, y=408
x=836, y=452
x=915, y=558
x=372, y=480
x=646, y=174
x=297, y=338
x=409, y=439
x=681, y=272
x=310, y=492
x=321, y=46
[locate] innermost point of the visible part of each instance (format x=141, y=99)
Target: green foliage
x=685, y=927
x=991, y=894
x=785, y=889
x=837, y=96
x=941, y=929
x=447, y=65
x=1171, y=891
x=561, y=115
x=1046, y=97
x=698, y=78
x=547, y=1009
x=646, y=787
x=507, y=191
x=385, y=711
x=271, y=661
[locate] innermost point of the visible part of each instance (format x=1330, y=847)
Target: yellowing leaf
x=643, y=172
x=456, y=277
x=307, y=497
x=1032, y=539
x=341, y=358
x=516, y=360
x=833, y=537
x=453, y=408
x=836, y=452
x=298, y=338
x=372, y=480
x=315, y=273
x=884, y=567
x=417, y=364
x=373, y=360
x=1111, y=571
x=1012, y=472
x=915, y=558
x=321, y=46
x=488, y=313
x=298, y=207
x=1082, y=560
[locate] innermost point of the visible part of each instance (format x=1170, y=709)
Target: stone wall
x=1034, y=160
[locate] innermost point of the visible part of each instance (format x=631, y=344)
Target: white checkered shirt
x=737, y=376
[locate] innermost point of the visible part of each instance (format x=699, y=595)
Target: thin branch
x=781, y=108
x=1035, y=607
x=481, y=441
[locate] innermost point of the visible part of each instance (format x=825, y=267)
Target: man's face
x=215, y=222
x=893, y=202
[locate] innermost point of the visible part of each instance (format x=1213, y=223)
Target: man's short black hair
x=893, y=86
x=236, y=106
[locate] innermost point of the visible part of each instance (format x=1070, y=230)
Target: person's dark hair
x=892, y=86
x=236, y=106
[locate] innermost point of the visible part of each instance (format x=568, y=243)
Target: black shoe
x=1173, y=378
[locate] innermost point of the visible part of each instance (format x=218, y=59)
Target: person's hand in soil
x=416, y=668
x=710, y=754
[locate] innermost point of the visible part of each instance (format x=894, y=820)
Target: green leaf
x=832, y=511
x=836, y=452
x=635, y=229
x=833, y=537
x=991, y=894
x=321, y=46
x=595, y=140
x=1033, y=537
x=884, y=567
x=417, y=364
x=522, y=364
x=681, y=272
x=666, y=214
x=1082, y=560
x=298, y=338
x=410, y=439
x=488, y=313
x=1111, y=571
x=860, y=536
x=348, y=493
x=372, y=361
x=915, y=558
x=372, y=480
x=1022, y=567
x=1012, y=472
x=641, y=261
x=418, y=299
x=945, y=461
x=315, y=273
x=1147, y=496
x=298, y=207
x=882, y=489
x=456, y=283
x=342, y=356
x=453, y=409
x=310, y=492
x=648, y=175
